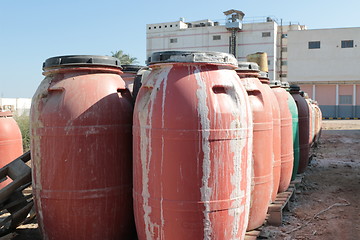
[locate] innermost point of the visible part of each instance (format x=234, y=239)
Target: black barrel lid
x=81, y=60
x=294, y=87
x=245, y=66
x=131, y=68
x=193, y=57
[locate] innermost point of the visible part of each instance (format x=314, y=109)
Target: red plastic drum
x=262, y=156
x=276, y=135
x=81, y=118
x=192, y=149
x=287, y=157
x=10, y=141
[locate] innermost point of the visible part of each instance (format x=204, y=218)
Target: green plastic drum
x=295, y=126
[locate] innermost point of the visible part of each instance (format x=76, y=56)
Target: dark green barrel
x=295, y=127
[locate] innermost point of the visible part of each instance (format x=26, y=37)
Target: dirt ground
x=327, y=202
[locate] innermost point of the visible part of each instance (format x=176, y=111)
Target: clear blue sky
x=34, y=30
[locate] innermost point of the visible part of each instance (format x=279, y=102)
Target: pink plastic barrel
x=262, y=156
x=276, y=135
x=10, y=141
x=312, y=117
x=318, y=122
x=192, y=149
x=287, y=157
x=81, y=118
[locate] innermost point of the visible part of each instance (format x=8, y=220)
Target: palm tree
x=124, y=58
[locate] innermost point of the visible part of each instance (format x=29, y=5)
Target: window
x=284, y=63
x=284, y=35
x=149, y=27
x=347, y=43
x=266, y=34
x=268, y=62
x=314, y=45
x=284, y=49
x=173, y=40
x=283, y=75
x=345, y=99
x=216, y=37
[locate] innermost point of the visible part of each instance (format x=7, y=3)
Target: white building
x=20, y=106
x=265, y=35
x=325, y=63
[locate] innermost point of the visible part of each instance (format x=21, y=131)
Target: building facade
x=322, y=61
x=262, y=35
x=325, y=63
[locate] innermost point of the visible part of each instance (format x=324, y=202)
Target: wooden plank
x=275, y=210
x=252, y=235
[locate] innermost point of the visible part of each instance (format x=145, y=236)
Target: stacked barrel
x=81, y=145
x=213, y=142
x=10, y=141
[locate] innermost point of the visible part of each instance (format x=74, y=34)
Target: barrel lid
x=244, y=66
x=131, y=68
x=294, y=87
x=82, y=60
x=285, y=84
x=6, y=114
x=275, y=83
x=263, y=74
x=192, y=57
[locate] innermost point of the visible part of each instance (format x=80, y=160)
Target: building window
x=284, y=35
x=284, y=49
x=173, y=40
x=149, y=27
x=283, y=75
x=347, y=43
x=284, y=63
x=170, y=25
x=345, y=99
x=266, y=34
x=268, y=62
x=216, y=37
x=314, y=45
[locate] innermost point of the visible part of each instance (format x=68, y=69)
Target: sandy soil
x=327, y=202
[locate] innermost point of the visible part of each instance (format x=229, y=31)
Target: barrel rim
x=6, y=114
x=248, y=66
x=131, y=68
x=294, y=88
x=192, y=57
x=81, y=60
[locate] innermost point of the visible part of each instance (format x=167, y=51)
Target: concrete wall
x=331, y=69
x=328, y=63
